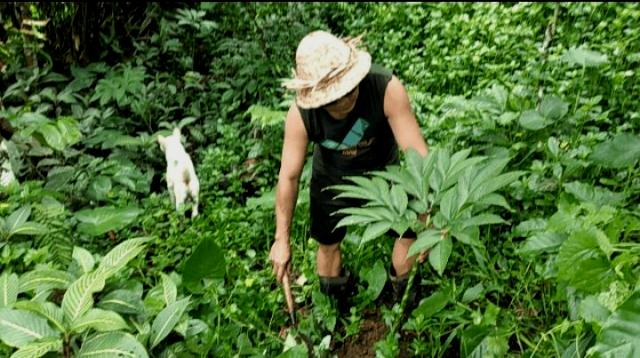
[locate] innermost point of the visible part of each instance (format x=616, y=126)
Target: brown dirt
x=361, y=345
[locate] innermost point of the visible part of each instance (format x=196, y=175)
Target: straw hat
x=327, y=68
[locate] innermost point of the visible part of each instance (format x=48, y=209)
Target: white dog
x=182, y=181
x=7, y=177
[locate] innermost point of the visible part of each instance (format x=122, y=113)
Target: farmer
x=356, y=114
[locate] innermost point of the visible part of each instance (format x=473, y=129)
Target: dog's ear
x=176, y=132
x=162, y=140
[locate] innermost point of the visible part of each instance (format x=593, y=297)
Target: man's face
x=342, y=106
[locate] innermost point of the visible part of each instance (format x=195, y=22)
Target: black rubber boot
x=340, y=288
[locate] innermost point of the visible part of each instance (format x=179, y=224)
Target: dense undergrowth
x=93, y=256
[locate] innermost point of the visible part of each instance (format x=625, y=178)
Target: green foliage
x=544, y=91
x=206, y=262
x=452, y=191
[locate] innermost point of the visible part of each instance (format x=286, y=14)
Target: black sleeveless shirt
x=363, y=141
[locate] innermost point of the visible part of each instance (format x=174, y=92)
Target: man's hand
x=280, y=255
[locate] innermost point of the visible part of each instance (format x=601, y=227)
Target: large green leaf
x=426, y=240
x=120, y=255
x=169, y=289
x=84, y=259
x=353, y=220
x=376, y=277
x=58, y=177
x=52, y=136
x=399, y=199
x=100, y=320
x=545, y=241
x=68, y=129
x=19, y=328
x=112, y=344
x=479, y=342
x=620, y=334
x=45, y=279
x=39, y=348
x=584, y=57
x=29, y=228
x=379, y=213
x=9, y=286
x=375, y=230
x=583, y=264
x=433, y=304
x=99, y=187
x=493, y=184
x=532, y=120
x=483, y=219
x=167, y=319
x=594, y=194
x=469, y=236
x=620, y=152
x=98, y=221
x=122, y=301
x=17, y=218
x=206, y=261
x=473, y=293
x=439, y=255
x=47, y=310
x=553, y=108
x=593, y=311
x=79, y=297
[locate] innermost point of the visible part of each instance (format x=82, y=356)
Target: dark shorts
x=323, y=205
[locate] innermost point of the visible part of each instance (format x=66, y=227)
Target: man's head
x=328, y=69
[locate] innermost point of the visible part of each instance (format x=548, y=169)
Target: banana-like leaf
x=122, y=301
x=47, y=310
x=17, y=218
x=167, y=319
x=29, y=228
x=169, y=289
x=19, y=328
x=98, y=221
x=84, y=259
x=79, y=297
x=112, y=344
x=100, y=320
x=39, y=348
x=120, y=255
x=9, y=285
x=43, y=280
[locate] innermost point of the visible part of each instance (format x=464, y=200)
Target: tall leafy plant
x=62, y=314
x=441, y=197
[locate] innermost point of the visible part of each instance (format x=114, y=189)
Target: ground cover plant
x=527, y=202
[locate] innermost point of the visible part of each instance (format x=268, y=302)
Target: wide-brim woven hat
x=327, y=68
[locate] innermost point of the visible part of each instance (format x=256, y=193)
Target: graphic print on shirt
x=352, y=139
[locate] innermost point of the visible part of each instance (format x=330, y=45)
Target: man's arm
x=397, y=108
x=292, y=161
